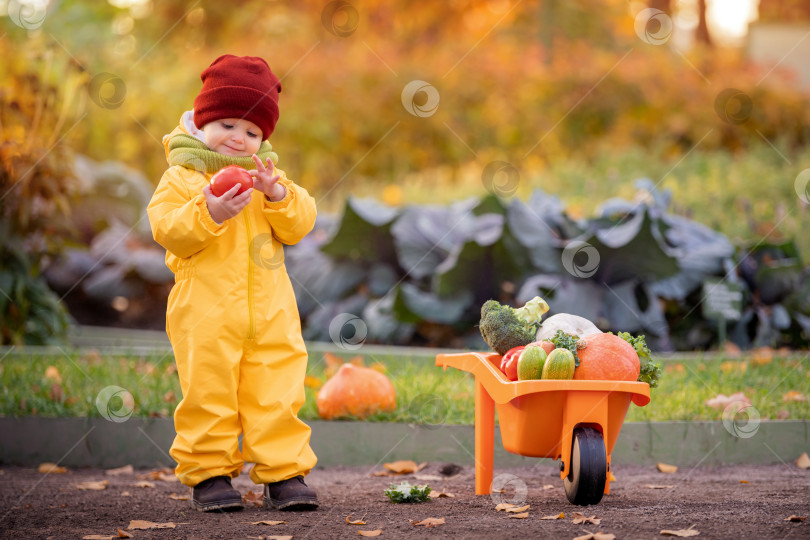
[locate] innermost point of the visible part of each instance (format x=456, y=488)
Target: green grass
x=425, y=394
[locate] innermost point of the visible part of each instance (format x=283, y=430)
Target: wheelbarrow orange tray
x=575, y=421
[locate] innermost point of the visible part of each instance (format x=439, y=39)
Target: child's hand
x=266, y=181
x=228, y=205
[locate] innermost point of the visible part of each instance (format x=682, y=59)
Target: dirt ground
x=740, y=502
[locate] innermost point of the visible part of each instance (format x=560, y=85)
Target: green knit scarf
x=192, y=153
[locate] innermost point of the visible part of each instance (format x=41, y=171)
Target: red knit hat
x=238, y=87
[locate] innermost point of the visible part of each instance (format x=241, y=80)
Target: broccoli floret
x=504, y=327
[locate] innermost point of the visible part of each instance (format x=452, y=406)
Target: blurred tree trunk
x=702, y=32
x=663, y=5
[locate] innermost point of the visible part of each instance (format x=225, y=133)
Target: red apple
x=229, y=176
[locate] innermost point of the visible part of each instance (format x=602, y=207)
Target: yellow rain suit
x=234, y=327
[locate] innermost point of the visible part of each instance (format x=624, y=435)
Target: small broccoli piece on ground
x=503, y=329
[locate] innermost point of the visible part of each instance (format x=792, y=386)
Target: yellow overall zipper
x=251, y=306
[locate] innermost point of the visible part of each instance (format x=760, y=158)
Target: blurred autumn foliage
x=529, y=82
x=37, y=106
x=532, y=84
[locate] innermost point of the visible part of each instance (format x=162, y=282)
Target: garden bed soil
x=720, y=502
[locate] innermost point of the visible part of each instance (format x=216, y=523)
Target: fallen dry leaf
x=123, y=534
x=596, y=536
x=354, y=522
x=144, y=484
x=731, y=349
x=126, y=469
x=52, y=374
x=176, y=497
x=548, y=486
x=382, y=473
x=793, y=395
x=516, y=510
x=561, y=515
x=267, y=522
x=254, y=498
x=579, y=518
x=743, y=481
x=164, y=475
x=681, y=532
x=522, y=515
x=139, y=524
x=404, y=466
x=375, y=532
x=803, y=462
x=333, y=363
x=504, y=506
x=427, y=477
x=100, y=537
x=56, y=392
x=51, y=468
x=169, y=397
x=657, y=486
x=729, y=366
x=762, y=356
x=440, y=495
x=126, y=494
x=795, y=518
x=668, y=469
x=721, y=401
x=93, y=486
x=431, y=522
x=378, y=366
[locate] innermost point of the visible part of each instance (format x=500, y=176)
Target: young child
x=232, y=318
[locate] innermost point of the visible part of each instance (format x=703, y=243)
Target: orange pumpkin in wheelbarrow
x=575, y=421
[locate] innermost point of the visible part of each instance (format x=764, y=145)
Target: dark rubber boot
x=216, y=494
x=290, y=494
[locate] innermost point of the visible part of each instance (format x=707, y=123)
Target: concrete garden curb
x=145, y=442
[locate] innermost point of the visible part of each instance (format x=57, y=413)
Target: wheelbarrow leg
x=484, y=439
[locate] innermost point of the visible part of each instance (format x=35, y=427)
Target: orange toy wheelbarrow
x=575, y=421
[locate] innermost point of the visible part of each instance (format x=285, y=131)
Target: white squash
x=570, y=324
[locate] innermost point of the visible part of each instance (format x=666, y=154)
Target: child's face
x=233, y=136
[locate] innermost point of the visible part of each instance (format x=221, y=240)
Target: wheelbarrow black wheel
x=585, y=483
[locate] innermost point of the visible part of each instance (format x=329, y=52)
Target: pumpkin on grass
x=355, y=391
x=607, y=357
